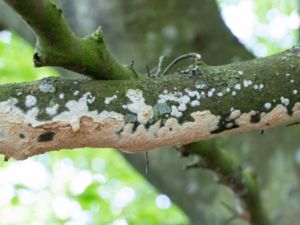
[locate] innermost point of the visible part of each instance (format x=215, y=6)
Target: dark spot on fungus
x=225, y=124
x=48, y=136
x=22, y=136
x=119, y=132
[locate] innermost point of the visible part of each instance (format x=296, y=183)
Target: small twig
x=131, y=65
x=147, y=162
x=160, y=65
x=292, y=124
x=148, y=71
x=194, y=55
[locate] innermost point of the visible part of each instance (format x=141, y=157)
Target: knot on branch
x=98, y=36
x=37, y=60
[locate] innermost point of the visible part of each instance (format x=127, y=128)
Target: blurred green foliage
x=266, y=27
x=15, y=60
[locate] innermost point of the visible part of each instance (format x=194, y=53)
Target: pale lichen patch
x=195, y=103
x=144, y=112
x=247, y=83
x=237, y=86
x=261, y=86
x=46, y=87
x=61, y=96
x=30, y=101
x=268, y=105
x=284, y=101
x=240, y=72
x=234, y=114
x=78, y=109
x=175, y=112
x=75, y=93
x=52, y=111
x=108, y=100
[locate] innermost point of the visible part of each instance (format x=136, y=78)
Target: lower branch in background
x=230, y=172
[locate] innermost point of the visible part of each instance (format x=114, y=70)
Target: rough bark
x=198, y=103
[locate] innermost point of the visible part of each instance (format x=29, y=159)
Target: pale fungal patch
x=295, y=92
x=237, y=86
x=210, y=93
x=75, y=93
x=108, y=100
x=175, y=112
x=52, y=111
x=229, y=125
x=233, y=93
x=30, y=101
x=268, y=105
x=78, y=109
x=61, y=96
x=101, y=129
x=261, y=86
x=182, y=107
x=195, y=103
x=75, y=111
x=255, y=87
x=90, y=98
x=240, y=72
x=234, y=114
x=200, y=86
x=46, y=87
x=182, y=100
x=144, y=112
x=192, y=93
x=292, y=81
x=287, y=74
x=284, y=101
x=247, y=83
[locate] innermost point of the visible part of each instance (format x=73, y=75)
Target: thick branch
x=199, y=103
x=57, y=45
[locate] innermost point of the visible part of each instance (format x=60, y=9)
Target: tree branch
x=57, y=45
x=242, y=182
x=198, y=103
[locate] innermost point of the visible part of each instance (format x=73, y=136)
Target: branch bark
x=57, y=45
x=231, y=173
x=195, y=104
